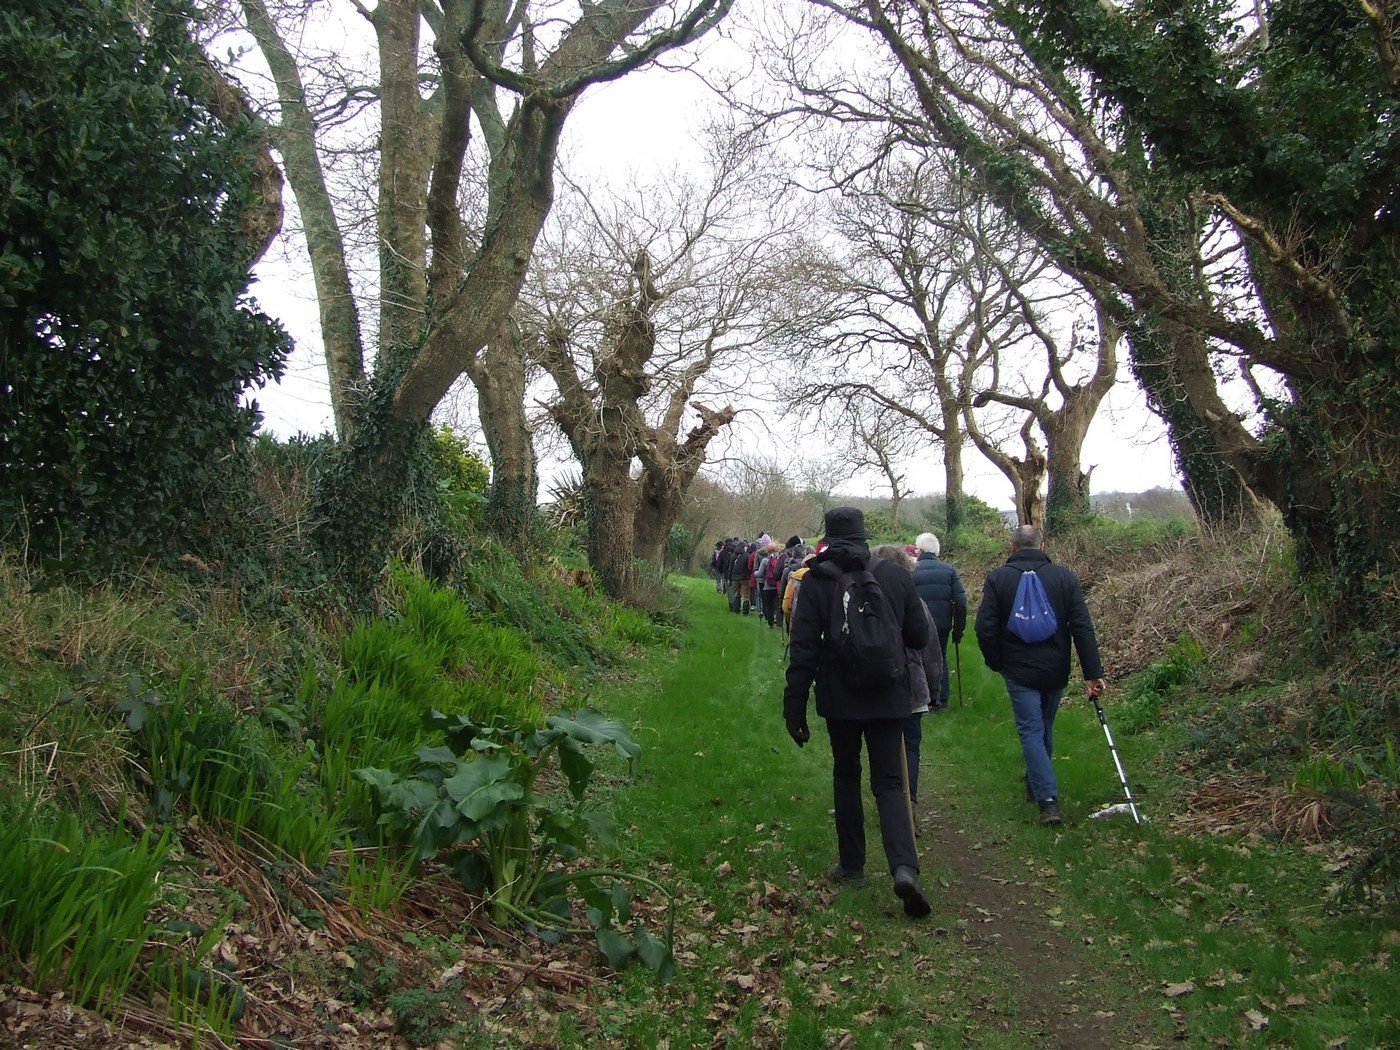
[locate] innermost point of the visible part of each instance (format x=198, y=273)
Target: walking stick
x=1132, y=806
x=904, y=782
x=957, y=658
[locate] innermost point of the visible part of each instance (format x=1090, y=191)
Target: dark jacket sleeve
x=931, y=656
x=914, y=618
x=959, y=605
x=804, y=645
x=1081, y=629
x=987, y=627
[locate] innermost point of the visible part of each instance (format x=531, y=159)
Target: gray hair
x=1027, y=536
x=894, y=552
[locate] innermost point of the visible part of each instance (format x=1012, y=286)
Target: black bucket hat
x=844, y=523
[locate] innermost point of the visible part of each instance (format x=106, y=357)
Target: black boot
x=906, y=888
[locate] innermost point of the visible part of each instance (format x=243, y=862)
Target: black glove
x=797, y=729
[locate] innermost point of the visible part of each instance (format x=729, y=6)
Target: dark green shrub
x=126, y=340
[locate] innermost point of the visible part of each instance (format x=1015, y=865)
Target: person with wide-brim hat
x=866, y=717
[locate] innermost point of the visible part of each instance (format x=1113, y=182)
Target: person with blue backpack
x=851, y=627
x=1031, y=610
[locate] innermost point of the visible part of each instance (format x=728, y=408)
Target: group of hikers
x=870, y=630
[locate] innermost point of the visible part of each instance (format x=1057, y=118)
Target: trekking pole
x=1132, y=806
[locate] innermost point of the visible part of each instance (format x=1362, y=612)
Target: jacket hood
x=845, y=553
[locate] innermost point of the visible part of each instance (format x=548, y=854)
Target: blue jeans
x=1035, y=724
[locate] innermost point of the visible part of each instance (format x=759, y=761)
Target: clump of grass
x=74, y=903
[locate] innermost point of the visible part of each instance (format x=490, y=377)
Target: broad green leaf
x=431, y=756
x=591, y=727
x=617, y=948
x=655, y=955
x=482, y=785
x=577, y=767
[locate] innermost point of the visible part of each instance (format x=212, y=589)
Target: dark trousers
x=939, y=696
x=884, y=741
x=913, y=739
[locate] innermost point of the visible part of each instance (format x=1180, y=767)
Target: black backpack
x=865, y=633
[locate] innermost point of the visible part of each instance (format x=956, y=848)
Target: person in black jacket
x=855, y=715
x=941, y=588
x=1036, y=673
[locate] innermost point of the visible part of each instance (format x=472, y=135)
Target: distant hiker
x=767, y=573
x=868, y=699
x=925, y=668
x=798, y=563
x=1036, y=673
x=737, y=575
x=716, y=566
x=941, y=588
x=734, y=551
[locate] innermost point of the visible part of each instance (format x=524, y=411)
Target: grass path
x=772, y=954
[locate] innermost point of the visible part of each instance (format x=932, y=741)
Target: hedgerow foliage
x=126, y=339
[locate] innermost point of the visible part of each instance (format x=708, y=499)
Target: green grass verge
x=1229, y=943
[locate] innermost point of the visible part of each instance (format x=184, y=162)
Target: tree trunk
x=668, y=471
x=954, y=503
x=1218, y=494
x=405, y=156
x=335, y=300
x=610, y=500
x=500, y=390
x=1067, y=501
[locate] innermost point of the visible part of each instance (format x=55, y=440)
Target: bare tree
x=1028, y=138
x=446, y=285
x=1064, y=421
x=707, y=289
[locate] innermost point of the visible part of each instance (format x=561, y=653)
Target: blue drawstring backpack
x=1032, y=619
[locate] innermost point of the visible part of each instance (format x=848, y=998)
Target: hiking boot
x=839, y=873
x=1050, y=812
x=906, y=888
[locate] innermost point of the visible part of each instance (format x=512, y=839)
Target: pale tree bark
x=1066, y=424
x=296, y=140
x=1033, y=146
x=446, y=292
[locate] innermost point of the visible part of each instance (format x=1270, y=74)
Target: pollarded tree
x=126, y=338
x=452, y=253
x=630, y=350
x=1065, y=406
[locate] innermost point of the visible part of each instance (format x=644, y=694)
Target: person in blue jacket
x=941, y=588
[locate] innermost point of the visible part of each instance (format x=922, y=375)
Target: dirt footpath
x=1009, y=930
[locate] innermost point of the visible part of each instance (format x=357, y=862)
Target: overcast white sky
x=644, y=123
